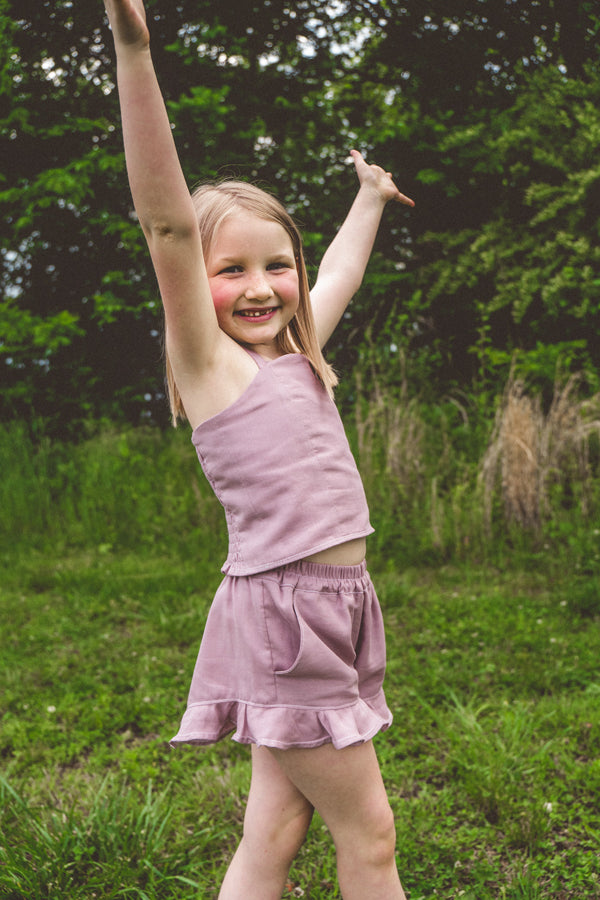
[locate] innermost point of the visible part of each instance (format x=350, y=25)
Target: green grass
x=492, y=764
x=110, y=553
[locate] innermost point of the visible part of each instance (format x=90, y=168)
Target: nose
x=258, y=287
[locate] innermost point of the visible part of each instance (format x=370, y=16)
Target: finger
x=358, y=160
x=401, y=198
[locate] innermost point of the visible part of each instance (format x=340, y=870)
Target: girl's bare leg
x=346, y=788
x=275, y=825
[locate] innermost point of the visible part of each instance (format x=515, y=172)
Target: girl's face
x=253, y=279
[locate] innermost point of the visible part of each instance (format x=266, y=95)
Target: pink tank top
x=279, y=462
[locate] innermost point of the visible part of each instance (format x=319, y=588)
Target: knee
x=375, y=847
x=382, y=843
x=283, y=836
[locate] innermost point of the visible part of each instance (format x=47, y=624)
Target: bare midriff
x=350, y=553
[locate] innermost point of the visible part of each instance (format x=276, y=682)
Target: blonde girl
x=293, y=655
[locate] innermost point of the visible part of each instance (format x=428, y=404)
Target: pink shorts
x=293, y=657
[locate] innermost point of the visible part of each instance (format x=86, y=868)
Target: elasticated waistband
x=326, y=570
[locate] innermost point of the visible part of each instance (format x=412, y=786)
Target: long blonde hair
x=213, y=203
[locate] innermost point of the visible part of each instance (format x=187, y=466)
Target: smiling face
x=253, y=279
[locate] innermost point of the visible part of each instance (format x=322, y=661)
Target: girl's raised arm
x=345, y=261
x=160, y=194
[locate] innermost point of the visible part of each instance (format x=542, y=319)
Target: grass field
x=492, y=764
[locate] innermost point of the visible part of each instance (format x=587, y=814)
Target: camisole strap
x=258, y=359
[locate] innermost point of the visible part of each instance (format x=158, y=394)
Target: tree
x=278, y=93
x=80, y=318
x=527, y=275
x=491, y=109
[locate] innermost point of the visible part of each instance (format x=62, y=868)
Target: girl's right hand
x=127, y=20
x=378, y=180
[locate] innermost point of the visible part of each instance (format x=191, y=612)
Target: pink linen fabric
x=279, y=461
x=291, y=657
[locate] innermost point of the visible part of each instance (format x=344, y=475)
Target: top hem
x=237, y=568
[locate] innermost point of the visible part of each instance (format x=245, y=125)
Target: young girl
x=293, y=656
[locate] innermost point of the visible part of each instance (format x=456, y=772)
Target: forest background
x=480, y=305
x=486, y=111
x=470, y=389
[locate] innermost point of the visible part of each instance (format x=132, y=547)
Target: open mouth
x=257, y=314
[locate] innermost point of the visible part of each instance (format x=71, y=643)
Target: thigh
x=274, y=800
x=345, y=786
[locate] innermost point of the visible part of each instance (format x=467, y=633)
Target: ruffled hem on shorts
x=206, y=723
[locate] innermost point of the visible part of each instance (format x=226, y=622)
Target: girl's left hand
x=128, y=22
x=378, y=179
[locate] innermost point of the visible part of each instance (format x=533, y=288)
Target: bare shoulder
x=214, y=384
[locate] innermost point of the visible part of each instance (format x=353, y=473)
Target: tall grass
x=543, y=460
x=454, y=481
x=69, y=853
x=457, y=481
x=120, y=488
x=418, y=464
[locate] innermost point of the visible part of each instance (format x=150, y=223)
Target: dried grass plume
x=531, y=451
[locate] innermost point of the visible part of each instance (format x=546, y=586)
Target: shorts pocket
x=311, y=636
x=282, y=628
x=298, y=643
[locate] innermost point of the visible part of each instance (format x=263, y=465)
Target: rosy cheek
x=293, y=288
x=220, y=297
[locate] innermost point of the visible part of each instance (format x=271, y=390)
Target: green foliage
x=118, y=833
x=522, y=273
x=463, y=478
x=490, y=121
x=72, y=495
